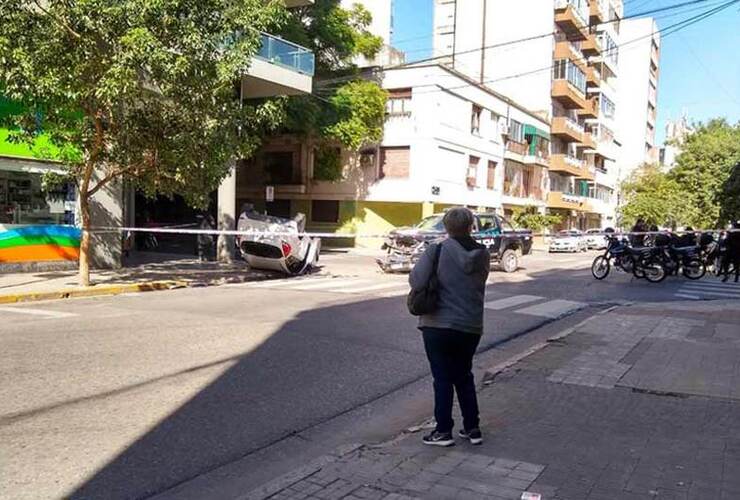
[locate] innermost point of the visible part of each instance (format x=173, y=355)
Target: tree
x=529, y=218
x=653, y=195
x=703, y=168
x=143, y=90
x=348, y=109
x=730, y=205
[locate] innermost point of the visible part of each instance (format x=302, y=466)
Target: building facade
x=570, y=78
x=676, y=132
x=447, y=141
x=638, y=99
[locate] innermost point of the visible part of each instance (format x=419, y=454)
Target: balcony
x=566, y=50
x=279, y=68
x=515, y=150
x=570, y=19
x=537, y=160
x=593, y=78
x=591, y=46
x=566, y=129
x=598, y=10
x=567, y=94
x=569, y=165
x=588, y=141
x=590, y=108
x=558, y=199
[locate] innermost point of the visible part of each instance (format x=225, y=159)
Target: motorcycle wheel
x=627, y=264
x=654, y=272
x=600, y=267
x=694, y=269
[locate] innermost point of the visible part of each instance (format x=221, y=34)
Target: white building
x=570, y=78
x=675, y=133
x=448, y=141
x=637, y=101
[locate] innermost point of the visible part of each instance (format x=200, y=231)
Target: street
x=131, y=396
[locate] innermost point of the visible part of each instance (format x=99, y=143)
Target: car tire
x=509, y=261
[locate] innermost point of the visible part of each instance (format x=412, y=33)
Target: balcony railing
x=284, y=53
x=580, y=9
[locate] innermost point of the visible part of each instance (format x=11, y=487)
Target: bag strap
x=437, y=252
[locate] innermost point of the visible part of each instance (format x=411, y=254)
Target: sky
x=699, y=65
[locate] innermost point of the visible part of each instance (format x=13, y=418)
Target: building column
x=226, y=215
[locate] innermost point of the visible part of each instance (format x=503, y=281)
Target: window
x=398, y=103
x=607, y=107
x=394, y=162
x=516, y=131
x=24, y=201
x=563, y=69
x=495, y=132
x=325, y=211
x=471, y=179
x=487, y=223
x=475, y=119
x=609, y=48
x=279, y=167
x=491, y=177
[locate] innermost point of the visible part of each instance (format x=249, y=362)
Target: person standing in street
x=451, y=332
x=732, y=257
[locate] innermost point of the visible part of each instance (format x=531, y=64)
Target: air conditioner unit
x=503, y=126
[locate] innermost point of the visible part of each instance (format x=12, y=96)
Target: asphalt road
x=130, y=396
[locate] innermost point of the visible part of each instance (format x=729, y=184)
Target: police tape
x=486, y=234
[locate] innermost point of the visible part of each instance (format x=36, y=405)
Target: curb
x=280, y=483
x=94, y=291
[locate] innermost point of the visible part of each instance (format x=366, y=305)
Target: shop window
x=325, y=211
x=394, y=162
x=23, y=201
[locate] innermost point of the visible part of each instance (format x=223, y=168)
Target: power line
x=675, y=27
x=667, y=31
x=525, y=39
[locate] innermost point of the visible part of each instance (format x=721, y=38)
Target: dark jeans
x=450, y=354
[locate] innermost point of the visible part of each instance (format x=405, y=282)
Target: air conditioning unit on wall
x=503, y=126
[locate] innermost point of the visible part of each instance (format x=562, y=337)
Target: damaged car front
x=276, y=243
x=404, y=246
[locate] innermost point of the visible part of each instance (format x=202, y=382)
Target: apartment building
x=571, y=78
x=638, y=98
x=676, y=132
x=447, y=141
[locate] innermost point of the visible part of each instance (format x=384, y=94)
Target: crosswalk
x=530, y=305
x=16, y=311
x=706, y=289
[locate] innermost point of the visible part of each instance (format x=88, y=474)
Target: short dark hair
x=458, y=221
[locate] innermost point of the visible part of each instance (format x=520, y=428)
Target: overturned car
x=404, y=246
x=277, y=244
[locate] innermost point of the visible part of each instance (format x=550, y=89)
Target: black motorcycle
x=617, y=251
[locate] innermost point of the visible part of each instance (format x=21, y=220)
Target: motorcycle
x=617, y=251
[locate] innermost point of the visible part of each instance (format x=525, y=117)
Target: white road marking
x=713, y=286
x=394, y=293
x=360, y=289
x=728, y=294
x=37, y=312
x=288, y=282
x=328, y=284
x=512, y=301
x=552, y=308
x=687, y=296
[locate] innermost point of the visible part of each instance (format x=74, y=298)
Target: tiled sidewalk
x=638, y=403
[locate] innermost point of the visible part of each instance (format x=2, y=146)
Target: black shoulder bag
x=424, y=300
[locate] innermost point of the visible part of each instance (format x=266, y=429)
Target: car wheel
x=510, y=261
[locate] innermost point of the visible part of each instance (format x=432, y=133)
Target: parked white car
x=596, y=239
x=569, y=240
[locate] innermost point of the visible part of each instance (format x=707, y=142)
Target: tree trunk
x=84, y=268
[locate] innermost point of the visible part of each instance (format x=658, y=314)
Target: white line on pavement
x=360, y=289
x=288, y=282
x=709, y=292
x=512, y=301
x=338, y=284
x=37, y=312
x=687, y=296
x=713, y=286
x=552, y=309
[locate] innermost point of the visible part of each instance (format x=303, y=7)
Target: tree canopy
x=146, y=90
x=702, y=190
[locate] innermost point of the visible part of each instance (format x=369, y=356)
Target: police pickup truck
x=404, y=246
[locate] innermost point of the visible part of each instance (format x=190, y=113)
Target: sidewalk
x=641, y=402
x=167, y=270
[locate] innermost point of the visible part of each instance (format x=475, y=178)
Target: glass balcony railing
x=278, y=51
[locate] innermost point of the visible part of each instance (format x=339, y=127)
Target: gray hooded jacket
x=462, y=276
